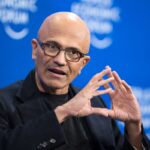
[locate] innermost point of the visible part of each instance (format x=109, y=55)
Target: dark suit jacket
x=26, y=124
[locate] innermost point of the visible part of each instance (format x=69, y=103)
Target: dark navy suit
x=26, y=124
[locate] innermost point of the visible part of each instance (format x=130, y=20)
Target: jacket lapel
x=30, y=104
x=32, y=108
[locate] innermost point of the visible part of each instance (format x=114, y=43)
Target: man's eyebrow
x=59, y=45
x=54, y=42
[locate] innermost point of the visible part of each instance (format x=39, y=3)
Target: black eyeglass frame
x=42, y=44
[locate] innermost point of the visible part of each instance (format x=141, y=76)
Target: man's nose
x=60, y=59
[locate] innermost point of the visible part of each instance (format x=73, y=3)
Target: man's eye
x=52, y=46
x=73, y=53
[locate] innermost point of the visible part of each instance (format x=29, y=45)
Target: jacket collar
x=29, y=89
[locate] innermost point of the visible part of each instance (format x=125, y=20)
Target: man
x=46, y=112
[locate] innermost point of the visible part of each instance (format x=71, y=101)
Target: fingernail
x=107, y=66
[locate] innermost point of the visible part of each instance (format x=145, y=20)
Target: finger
x=106, y=86
x=111, y=114
x=100, y=111
x=110, y=74
x=101, y=92
x=118, y=80
x=104, y=112
x=128, y=88
x=104, y=82
x=122, y=116
x=99, y=76
x=116, y=76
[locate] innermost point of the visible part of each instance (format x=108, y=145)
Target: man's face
x=56, y=72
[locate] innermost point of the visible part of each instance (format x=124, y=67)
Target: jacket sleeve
x=122, y=142
x=42, y=133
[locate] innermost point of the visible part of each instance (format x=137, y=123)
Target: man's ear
x=34, y=48
x=86, y=59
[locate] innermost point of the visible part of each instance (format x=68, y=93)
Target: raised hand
x=124, y=103
x=80, y=105
x=126, y=108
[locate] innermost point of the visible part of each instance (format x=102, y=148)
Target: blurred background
x=120, y=31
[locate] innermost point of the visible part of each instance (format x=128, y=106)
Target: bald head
x=65, y=25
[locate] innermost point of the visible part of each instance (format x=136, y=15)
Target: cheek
x=41, y=65
x=74, y=70
x=41, y=61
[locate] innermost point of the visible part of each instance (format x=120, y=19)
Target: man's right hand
x=80, y=105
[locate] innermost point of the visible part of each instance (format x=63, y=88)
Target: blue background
x=128, y=54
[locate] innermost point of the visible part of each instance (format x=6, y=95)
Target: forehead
x=67, y=33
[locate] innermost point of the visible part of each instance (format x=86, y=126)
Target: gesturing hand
x=80, y=105
x=126, y=108
x=124, y=103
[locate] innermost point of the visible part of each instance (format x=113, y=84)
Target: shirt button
x=39, y=147
x=44, y=144
x=52, y=141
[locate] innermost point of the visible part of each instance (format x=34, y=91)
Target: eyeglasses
x=52, y=49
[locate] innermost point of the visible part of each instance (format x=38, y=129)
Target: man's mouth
x=57, y=71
